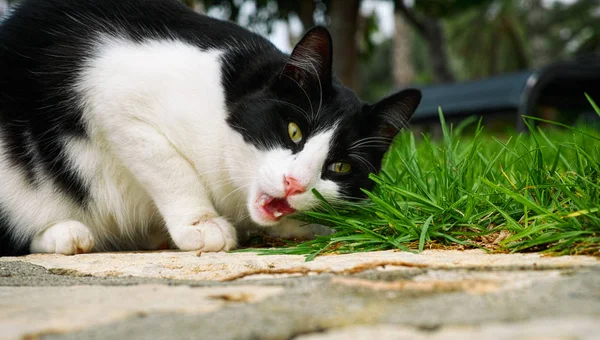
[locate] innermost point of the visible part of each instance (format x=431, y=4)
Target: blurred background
x=494, y=58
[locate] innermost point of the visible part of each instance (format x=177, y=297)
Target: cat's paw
x=208, y=234
x=68, y=237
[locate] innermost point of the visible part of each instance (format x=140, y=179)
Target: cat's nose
x=292, y=186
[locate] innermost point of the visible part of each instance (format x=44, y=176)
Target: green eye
x=339, y=167
x=294, y=132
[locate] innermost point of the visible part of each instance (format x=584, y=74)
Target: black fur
x=301, y=86
x=7, y=244
x=43, y=44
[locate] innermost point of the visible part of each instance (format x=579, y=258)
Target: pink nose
x=292, y=186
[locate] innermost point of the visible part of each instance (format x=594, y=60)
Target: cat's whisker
x=227, y=159
x=244, y=217
x=220, y=170
x=304, y=66
x=396, y=122
x=371, y=142
x=373, y=139
x=222, y=199
x=320, y=89
x=296, y=107
x=371, y=145
x=234, y=178
x=369, y=139
x=244, y=167
x=238, y=127
x=231, y=149
x=305, y=93
x=363, y=160
x=226, y=181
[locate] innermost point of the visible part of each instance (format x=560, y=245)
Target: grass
x=531, y=192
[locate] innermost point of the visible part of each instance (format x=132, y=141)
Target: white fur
x=305, y=166
x=69, y=237
x=160, y=159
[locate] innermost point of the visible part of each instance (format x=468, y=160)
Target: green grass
x=530, y=192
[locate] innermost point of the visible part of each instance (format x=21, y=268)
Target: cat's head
x=312, y=132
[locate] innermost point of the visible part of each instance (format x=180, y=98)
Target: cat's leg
x=68, y=237
x=207, y=233
x=175, y=186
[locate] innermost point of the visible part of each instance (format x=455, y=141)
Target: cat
x=141, y=124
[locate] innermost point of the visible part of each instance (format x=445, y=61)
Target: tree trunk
x=517, y=43
x=306, y=11
x=492, y=67
x=344, y=30
x=403, y=71
x=436, y=43
x=431, y=30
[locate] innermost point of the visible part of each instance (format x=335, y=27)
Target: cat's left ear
x=392, y=113
x=312, y=58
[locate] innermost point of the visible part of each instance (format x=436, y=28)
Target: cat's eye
x=339, y=167
x=294, y=132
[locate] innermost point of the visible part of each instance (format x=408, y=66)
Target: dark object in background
x=555, y=92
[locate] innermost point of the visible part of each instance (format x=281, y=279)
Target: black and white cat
x=128, y=124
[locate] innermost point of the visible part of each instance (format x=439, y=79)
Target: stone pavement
x=378, y=295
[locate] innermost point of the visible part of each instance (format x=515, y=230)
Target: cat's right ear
x=392, y=113
x=311, y=59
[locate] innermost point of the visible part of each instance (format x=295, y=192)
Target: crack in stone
x=433, y=286
x=305, y=271
x=317, y=330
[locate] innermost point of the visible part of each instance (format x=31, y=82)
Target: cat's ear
x=312, y=58
x=392, y=113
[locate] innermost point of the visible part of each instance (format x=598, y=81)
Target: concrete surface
x=377, y=295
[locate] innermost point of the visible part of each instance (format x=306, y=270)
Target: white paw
x=209, y=235
x=69, y=237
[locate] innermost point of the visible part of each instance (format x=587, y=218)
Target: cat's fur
x=127, y=124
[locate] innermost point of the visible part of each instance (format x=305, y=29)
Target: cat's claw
x=68, y=238
x=208, y=235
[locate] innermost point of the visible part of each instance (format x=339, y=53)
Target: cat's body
x=131, y=124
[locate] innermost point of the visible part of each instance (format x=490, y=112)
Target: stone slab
x=235, y=266
x=320, y=304
x=180, y=295
x=28, y=312
x=585, y=328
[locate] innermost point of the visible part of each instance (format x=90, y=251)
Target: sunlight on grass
x=532, y=192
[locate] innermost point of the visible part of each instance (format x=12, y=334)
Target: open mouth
x=274, y=208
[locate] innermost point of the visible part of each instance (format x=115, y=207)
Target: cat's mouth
x=274, y=208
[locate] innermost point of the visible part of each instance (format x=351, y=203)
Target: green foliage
x=532, y=192
x=509, y=35
x=267, y=11
x=375, y=73
x=570, y=28
x=447, y=8
x=501, y=40
x=419, y=61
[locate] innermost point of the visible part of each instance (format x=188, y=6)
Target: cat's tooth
x=277, y=214
x=262, y=201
